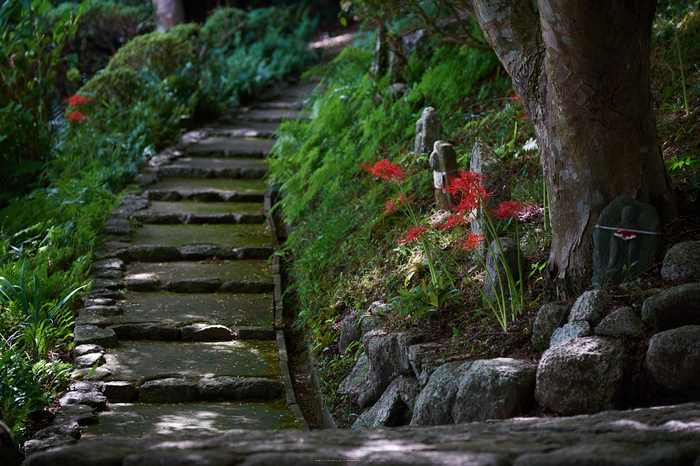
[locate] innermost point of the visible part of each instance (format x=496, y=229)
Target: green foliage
x=26, y=386
x=30, y=55
x=103, y=28
x=315, y=164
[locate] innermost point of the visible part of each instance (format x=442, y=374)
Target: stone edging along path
x=182, y=329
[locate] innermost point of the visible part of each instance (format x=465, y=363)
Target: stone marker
x=681, y=262
x=428, y=130
x=486, y=162
x=443, y=161
x=625, y=241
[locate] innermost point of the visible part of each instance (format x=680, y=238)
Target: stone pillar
x=428, y=130
x=381, y=54
x=486, y=162
x=443, y=161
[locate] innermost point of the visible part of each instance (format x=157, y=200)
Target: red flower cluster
x=78, y=100
x=385, y=169
x=453, y=220
x=76, y=116
x=472, y=241
x=412, y=234
x=508, y=209
x=468, y=190
x=394, y=203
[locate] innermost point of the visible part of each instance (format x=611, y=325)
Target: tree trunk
x=581, y=71
x=169, y=13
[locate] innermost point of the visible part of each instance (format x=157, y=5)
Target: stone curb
x=278, y=322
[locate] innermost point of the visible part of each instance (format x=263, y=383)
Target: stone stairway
x=181, y=332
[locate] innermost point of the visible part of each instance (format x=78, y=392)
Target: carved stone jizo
x=443, y=161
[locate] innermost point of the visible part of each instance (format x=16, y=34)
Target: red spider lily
x=412, y=234
x=394, y=203
x=467, y=188
x=521, y=116
x=78, y=99
x=513, y=96
x=472, y=241
x=76, y=116
x=453, y=221
x=625, y=234
x=385, y=169
x=508, y=209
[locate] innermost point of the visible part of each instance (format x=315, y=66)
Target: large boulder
x=461, y=392
x=621, y=323
x=434, y=403
x=582, y=375
x=388, y=358
x=359, y=322
x=8, y=450
x=675, y=307
x=673, y=360
x=575, y=329
x=681, y=262
x=393, y=408
x=590, y=307
x=549, y=318
x=494, y=389
x=357, y=378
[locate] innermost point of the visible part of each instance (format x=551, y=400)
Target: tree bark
x=581, y=71
x=169, y=13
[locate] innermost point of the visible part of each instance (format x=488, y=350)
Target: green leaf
x=343, y=21
x=434, y=300
x=46, y=6
x=65, y=16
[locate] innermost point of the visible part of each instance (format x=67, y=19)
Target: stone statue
x=625, y=241
x=443, y=161
x=428, y=130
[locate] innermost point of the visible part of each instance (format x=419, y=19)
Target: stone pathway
x=181, y=332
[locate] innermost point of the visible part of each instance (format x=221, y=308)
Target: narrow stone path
x=181, y=332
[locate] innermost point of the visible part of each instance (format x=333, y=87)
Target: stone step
x=231, y=147
x=188, y=167
x=194, y=212
x=208, y=190
x=199, y=419
x=189, y=363
x=280, y=105
x=268, y=115
x=231, y=128
x=229, y=236
x=242, y=272
x=164, y=315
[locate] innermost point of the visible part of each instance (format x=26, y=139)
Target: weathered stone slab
x=229, y=147
x=89, y=334
x=389, y=411
x=120, y=392
x=654, y=436
x=196, y=212
x=168, y=390
x=208, y=190
x=204, y=332
x=254, y=333
x=214, y=168
x=239, y=273
x=183, y=309
x=172, y=236
x=141, y=361
x=193, y=285
x=200, y=419
x=240, y=389
x=356, y=379
x=269, y=115
x=146, y=331
x=153, y=252
x=244, y=129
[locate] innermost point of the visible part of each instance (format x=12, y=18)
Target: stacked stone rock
x=179, y=332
